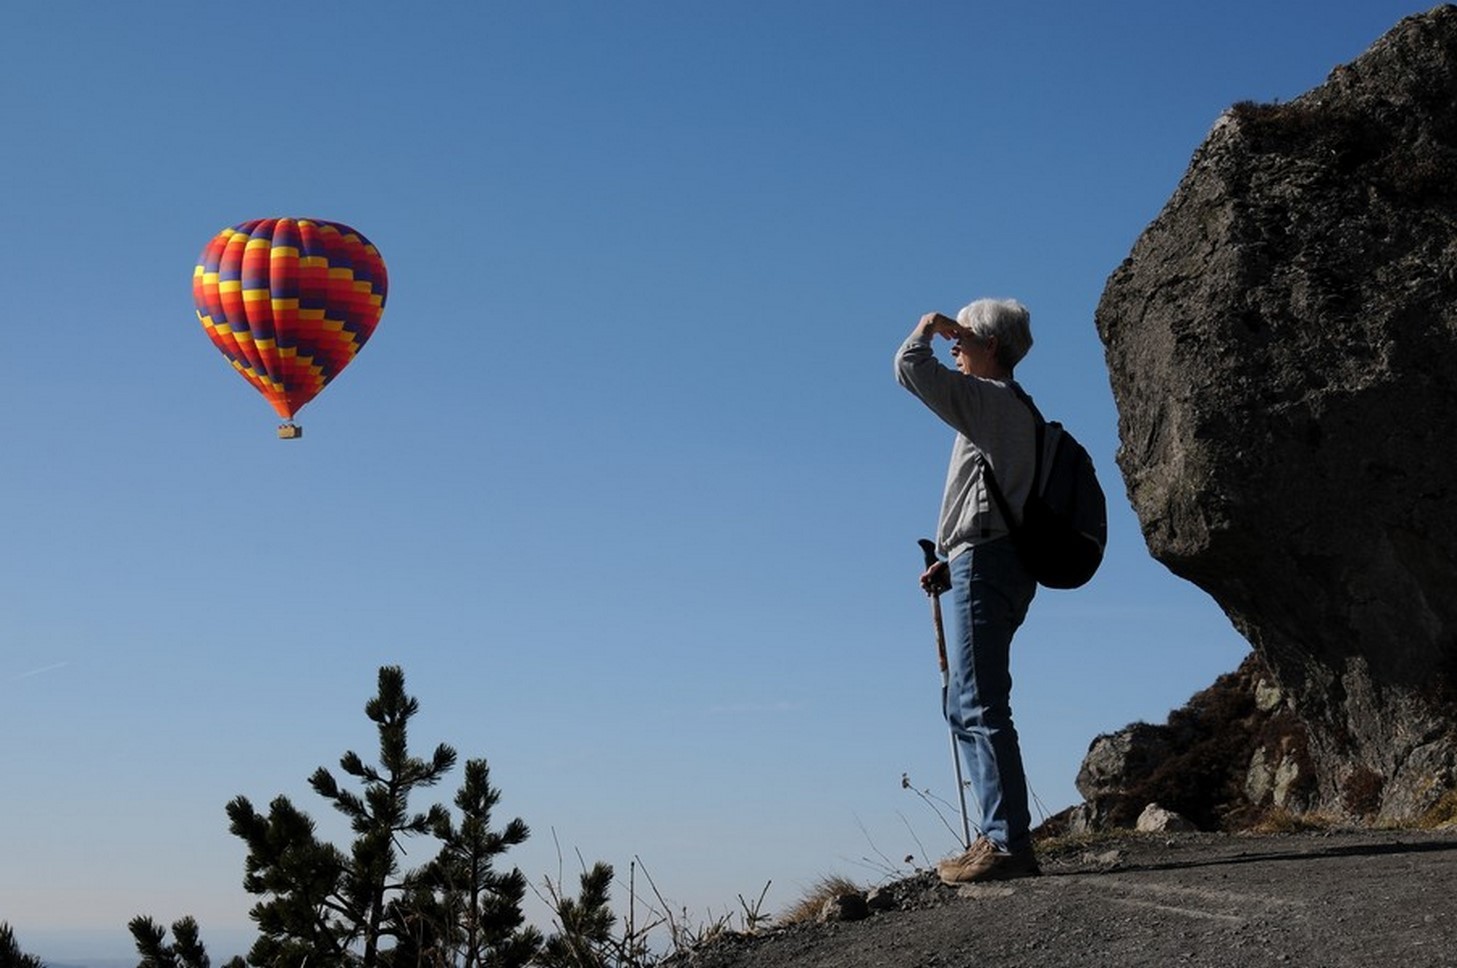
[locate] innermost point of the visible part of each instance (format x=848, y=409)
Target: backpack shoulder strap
x=998, y=498
x=986, y=468
x=1027, y=399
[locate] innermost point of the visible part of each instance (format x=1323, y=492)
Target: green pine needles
x=185, y=951
x=321, y=906
x=10, y=954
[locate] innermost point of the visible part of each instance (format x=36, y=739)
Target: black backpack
x=1064, y=524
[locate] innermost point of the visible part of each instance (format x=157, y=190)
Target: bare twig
x=932, y=801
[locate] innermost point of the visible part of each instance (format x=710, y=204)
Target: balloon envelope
x=289, y=302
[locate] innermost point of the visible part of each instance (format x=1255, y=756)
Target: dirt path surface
x=1355, y=899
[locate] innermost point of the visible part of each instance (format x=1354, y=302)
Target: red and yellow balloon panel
x=289, y=302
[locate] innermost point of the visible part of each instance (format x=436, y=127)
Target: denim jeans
x=990, y=592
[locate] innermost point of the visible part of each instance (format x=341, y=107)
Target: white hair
x=1007, y=320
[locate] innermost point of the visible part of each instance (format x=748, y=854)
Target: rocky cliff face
x=1282, y=345
x=1235, y=757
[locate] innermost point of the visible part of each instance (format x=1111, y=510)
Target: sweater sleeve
x=952, y=396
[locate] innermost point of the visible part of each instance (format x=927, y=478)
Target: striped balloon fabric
x=289, y=302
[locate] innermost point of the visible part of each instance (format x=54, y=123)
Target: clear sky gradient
x=623, y=480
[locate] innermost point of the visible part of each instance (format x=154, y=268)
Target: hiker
x=990, y=588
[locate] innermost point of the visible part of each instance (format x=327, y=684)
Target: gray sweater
x=991, y=424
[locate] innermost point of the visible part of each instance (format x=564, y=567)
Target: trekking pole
x=929, y=549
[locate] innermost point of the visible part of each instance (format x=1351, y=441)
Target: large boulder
x=1282, y=346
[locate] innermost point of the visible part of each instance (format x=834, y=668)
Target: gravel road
x=1347, y=899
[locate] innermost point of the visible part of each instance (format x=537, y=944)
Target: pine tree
x=476, y=908
x=338, y=909
x=302, y=918
x=380, y=815
x=324, y=908
x=186, y=950
x=10, y=954
x=585, y=939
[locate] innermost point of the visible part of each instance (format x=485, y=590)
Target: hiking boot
x=983, y=862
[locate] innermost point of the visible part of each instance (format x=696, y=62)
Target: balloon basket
x=289, y=431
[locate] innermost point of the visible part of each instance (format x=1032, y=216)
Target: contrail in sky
x=43, y=669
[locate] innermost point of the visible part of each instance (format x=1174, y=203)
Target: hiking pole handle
x=928, y=549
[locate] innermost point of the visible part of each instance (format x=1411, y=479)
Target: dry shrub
x=1343, y=138
x=1361, y=793
x=1212, y=743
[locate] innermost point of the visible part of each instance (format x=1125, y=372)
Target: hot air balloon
x=289, y=302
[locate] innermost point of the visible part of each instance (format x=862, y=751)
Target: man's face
x=974, y=355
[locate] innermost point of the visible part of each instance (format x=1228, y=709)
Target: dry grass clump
x=1278, y=820
x=808, y=907
x=1050, y=845
x=1443, y=813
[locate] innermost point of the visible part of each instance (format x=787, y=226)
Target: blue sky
x=623, y=480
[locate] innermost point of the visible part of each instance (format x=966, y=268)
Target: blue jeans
x=990, y=592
